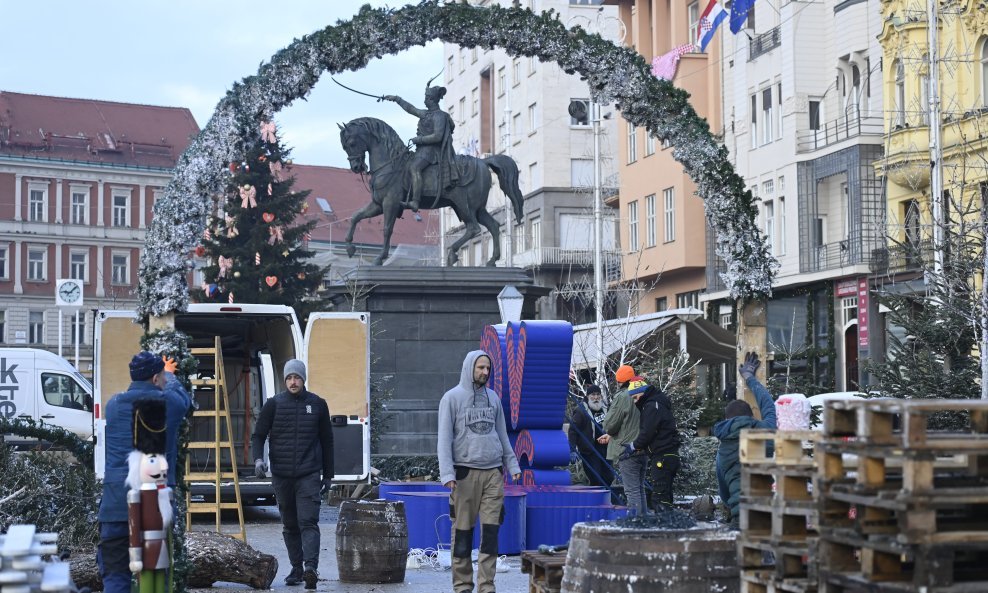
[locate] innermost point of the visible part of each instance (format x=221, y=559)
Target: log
x=213, y=557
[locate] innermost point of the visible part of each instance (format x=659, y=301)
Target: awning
x=705, y=341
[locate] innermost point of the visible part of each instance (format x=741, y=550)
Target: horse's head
x=354, y=141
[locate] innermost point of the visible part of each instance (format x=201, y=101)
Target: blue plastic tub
x=387, y=488
x=427, y=515
x=551, y=525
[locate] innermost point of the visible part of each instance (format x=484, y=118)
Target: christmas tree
x=255, y=248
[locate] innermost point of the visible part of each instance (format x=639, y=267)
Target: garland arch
x=614, y=74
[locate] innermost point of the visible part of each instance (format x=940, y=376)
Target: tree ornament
x=305, y=207
x=268, y=217
x=301, y=275
x=275, y=167
x=277, y=235
x=271, y=281
x=267, y=132
x=284, y=253
x=207, y=235
x=270, y=190
x=225, y=265
x=236, y=274
x=257, y=258
x=262, y=158
x=231, y=226
x=229, y=299
x=248, y=196
x=245, y=166
x=234, y=167
x=200, y=251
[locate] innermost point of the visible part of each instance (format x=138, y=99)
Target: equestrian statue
x=430, y=177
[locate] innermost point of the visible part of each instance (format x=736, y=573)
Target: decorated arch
x=614, y=74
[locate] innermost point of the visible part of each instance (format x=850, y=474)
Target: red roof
x=346, y=192
x=94, y=131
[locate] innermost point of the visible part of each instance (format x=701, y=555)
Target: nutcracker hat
x=150, y=424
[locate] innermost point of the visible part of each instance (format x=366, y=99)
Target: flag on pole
x=739, y=13
x=664, y=66
x=713, y=15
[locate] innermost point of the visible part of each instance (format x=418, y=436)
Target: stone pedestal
x=423, y=322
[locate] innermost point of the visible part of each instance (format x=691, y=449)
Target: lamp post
x=510, y=303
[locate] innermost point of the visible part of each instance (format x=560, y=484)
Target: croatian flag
x=713, y=15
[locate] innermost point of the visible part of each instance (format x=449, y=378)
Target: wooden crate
x=904, y=422
x=782, y=483
x=783, y=560
x=783, y=447
x=545, y=570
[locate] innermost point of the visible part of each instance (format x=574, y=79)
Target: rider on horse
x=434, y=143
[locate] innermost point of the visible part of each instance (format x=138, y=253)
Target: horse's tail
x=507, y=178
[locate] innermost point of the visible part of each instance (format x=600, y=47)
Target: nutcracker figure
x=149, y=499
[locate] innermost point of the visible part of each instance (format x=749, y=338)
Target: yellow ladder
x=220, y=444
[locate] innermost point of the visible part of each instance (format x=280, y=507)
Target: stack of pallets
x=902, y=508
x=777, y=544
x=25, y=566
x=545, y=570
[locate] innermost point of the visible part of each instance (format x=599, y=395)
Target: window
x=65, y=392
x=3, y=264
x=77, y=265
x=473, y=55
x=688, y=299
x=767, y=117
x=121, y=203
x=782, y=225
x=924, y=92
x=650, y=221
x=37, y=204
x=78, y=328
x=516, y=127
x=463, y=59
x=533, y=118
x=649, y=144
x=633, y=226
x=900, y=93
x=78, y=207
x=3, y=326
x=632, y=143
x=693, y=12
x=581, y=172
x=770, y=226
x=778, y=111
x=515, y=72
x=536, y=232
x=815, y=114
x=533, y=176
x=502, y=81
x=502, y=133
x=669, y=200
x=36, y=264
x=474, y=101
x=36, y=327
x=754, y=121
x=463, y=110
x=661, y=304
x=984, y=71
x=848, y=310
x=531, y=65
x=449, y=68
x=120, y=268
x=580, y=107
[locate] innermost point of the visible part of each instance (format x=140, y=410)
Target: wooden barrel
x=605, y=558
x=372, y=541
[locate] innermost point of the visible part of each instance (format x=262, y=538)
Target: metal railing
x=851, y=125
x=549, y=256
x=764, y=43
x=905, y=257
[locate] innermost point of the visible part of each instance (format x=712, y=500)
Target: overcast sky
x=187, y=53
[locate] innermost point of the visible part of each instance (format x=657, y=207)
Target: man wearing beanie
x=151, y=378
x=621, y=425
x=737, y=417
x=297, y=426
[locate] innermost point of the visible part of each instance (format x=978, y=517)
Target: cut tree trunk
x=212, y=557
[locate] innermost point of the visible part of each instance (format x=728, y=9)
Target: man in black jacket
x=300, y=448
x=659, y=438
x=584, y=430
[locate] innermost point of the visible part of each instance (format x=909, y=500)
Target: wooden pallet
x=782, y=560
x=778, y=523
x=783, y=483
x=930, y=565
x=850, y=583
x=765, y=581
x=905, y=422
x=545, y=570
x=783, y=447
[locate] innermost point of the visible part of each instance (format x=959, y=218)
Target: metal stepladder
x=220, y=442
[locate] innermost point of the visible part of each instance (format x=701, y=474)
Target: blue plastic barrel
x=429, y=526
x=547, y=495
x=386, y=488
x=551, y=526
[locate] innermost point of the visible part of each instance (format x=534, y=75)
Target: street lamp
x=510, y=303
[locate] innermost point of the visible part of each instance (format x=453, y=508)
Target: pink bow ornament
x=248, y=196
x=277, y=235
x=267, y=132
x=231, y=228
x=225, y=264
x=275, y=167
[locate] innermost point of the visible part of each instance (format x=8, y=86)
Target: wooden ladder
x=220, y=413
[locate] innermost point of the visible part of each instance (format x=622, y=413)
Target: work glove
x=750, y=365
x=326, y=485
x=574, y=457
x=260, y=469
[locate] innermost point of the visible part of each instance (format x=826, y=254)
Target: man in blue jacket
x=299, y=432
x=149, y=379
x=737, y=417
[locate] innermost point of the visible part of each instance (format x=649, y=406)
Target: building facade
x=541, y=117
x=802, y=109
x=78, y=181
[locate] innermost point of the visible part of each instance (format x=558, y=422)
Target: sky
x=188, y=53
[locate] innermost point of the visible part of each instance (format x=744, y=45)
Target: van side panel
x=18, y=384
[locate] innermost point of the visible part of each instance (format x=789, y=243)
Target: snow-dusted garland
x=614, y=74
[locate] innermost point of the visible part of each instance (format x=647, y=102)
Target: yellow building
x=963, y=73
x=662, y=221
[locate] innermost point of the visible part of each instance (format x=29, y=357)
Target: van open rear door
x=337, y=351
x=117, y=340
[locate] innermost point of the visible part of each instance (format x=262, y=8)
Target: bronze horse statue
x=387, y=166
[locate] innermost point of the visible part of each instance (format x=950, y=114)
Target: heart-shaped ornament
x=271, y=280
x=268, y=217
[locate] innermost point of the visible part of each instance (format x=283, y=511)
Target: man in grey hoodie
x=473, y=452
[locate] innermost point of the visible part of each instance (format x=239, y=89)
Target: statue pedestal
x=423, y=322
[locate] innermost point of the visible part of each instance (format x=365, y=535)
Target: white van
x=256, y=341
x=44, y=387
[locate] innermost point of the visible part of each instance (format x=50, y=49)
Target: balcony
x=557, y=256
x=905, y=257
x=764, y=43
x=852, y=125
